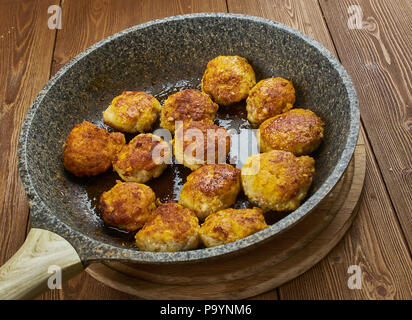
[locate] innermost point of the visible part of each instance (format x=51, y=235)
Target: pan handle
x=27, y=274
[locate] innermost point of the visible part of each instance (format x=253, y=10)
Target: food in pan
x=127, y=205
x=277, y=180
x=269, y=98
x=185, y=106
x=228, y=79
x=145, y=157
x=210, y=188
x=195, y=141
x=132, y=111
x=230, y=225
x=299, y=131
x=89, y=150
x=170, y=228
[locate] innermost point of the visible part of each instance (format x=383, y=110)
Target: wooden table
x=372, y=39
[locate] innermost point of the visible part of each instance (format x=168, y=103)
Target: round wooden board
x=254, y=271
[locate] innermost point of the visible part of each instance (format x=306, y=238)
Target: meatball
x=145, y=157
x=132, y=111
x=127, y=205
x=299, y=131
x=210, y=188
x=269, y=98
x=228, y=79
x=197, y=143
x=89, y=150
x=187, y=105
x=230, y=225
x=277, y=180
x=170, y=228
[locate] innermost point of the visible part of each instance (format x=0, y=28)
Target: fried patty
x=170, y=228
x=132, y=111
x=228, y=79
x=230, y=225
x=185, y=106
x=299, y=131
x=145, y=157
x=89, y=150
x=277, y=180
x=127, y=205
x=269, y=98
x=210, y=188
x=198, y=142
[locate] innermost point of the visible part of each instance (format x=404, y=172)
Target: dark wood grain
x=26, y=47
x=379, y=59
x=270, y=295
x=372, y=248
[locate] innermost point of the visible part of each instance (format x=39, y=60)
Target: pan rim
x=96, y=250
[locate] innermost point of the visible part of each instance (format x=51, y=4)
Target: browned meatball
x=228, y=79
x=127, y=205
x=298, y=131
x=277, y=180
x=185, y=106
x=145, y=157
x=230, y=225
x=197, y=143
x=269, y=98
x=210, y=188
x=132, y=111
x=170, y=228
x=89, y=150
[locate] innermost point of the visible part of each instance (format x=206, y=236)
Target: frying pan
x=160, y=57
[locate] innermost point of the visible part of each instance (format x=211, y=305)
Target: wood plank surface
x=379, y=59
x=84, y=23
x=372, y=248
x=374, y=243
x=26, y=47
x=87, y=22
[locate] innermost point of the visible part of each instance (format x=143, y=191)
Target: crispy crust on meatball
x=269, y=98
x=210, y=188
x=132, y=111
x=277, y=180
x=170, y=228
x=187, y=105
x=228, y=79
x=195, y=140
x=89, y=150
x=127, y=205
x=230, y=225
x=299, y=131
x=145, y=157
